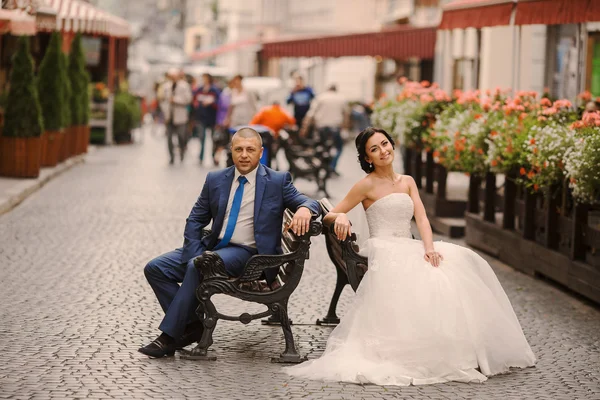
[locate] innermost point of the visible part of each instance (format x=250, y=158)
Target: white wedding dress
x=412, y=323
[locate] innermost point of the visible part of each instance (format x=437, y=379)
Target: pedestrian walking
x=205, y=102
x=177, y=95
x=220, y=135
x=328, y=113
x=301, y=97
x=242, y=106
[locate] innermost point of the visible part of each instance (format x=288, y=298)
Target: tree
x=50, y=85
x=79, y=99
x=23, y=117
x=66, y=91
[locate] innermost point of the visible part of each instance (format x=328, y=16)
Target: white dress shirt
x=328, y=110
x=244, y=228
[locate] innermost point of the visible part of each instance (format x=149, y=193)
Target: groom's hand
x=301, y=221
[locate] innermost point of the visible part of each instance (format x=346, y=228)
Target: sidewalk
x=14, y=190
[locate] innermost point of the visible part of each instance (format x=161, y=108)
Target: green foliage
x=79, y=99
x=66, y=91
x=23, y=117
x=50, y=86
x=126, y=113
x=582, y=162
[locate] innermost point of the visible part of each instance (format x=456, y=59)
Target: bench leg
x=200, y=352
x=290, y=355
x=274, y=319
x=322, y=181
x=331, y=318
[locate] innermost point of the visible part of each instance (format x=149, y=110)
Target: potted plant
x=66, y=109
x=100, y=93
x=78, y=91
x=50, y=88
x=86, y=111
x=126, y=116
x=20, y=144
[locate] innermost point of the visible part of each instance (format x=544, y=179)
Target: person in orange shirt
x=275, y=118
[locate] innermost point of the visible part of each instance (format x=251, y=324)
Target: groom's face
x=246, y=153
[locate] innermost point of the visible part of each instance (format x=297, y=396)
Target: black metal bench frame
x=350, y=266
x=250, y=287
x=309, y=160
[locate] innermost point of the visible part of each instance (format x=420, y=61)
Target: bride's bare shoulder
x=365, y=184
x=407, y=179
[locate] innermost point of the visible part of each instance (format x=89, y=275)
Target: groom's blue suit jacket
x=274, y=193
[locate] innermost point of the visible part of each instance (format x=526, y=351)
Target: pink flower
x=426, y=98
x=562, y=104
x=550, y=111
x=585, y=96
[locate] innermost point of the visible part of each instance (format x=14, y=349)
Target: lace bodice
x=390, y=216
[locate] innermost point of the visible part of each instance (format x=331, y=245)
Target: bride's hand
x=434, y=258
x=341, y=227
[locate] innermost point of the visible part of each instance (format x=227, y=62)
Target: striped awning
x=400, y=44
x=80, y=16
x=16, y=22
x=460, y=14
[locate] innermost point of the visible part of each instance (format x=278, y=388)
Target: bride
x=424, y=313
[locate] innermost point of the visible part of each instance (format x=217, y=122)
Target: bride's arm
x=338, y=214
x=423, y=224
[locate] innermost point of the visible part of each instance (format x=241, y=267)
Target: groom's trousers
x=165, y=272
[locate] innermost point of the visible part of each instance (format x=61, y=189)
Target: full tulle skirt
x=412, y=323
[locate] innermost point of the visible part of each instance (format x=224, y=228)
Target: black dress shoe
x=158, y=349
x=190, y=337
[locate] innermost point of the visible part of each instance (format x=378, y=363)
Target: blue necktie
x=233, y=214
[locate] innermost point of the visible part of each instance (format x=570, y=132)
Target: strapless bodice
x=390, y=216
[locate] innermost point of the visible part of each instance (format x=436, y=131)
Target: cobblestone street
x=75, y=306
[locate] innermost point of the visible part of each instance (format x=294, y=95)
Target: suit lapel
x=261, y=184
x=224, y=188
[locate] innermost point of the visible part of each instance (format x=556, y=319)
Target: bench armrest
x=258, y=263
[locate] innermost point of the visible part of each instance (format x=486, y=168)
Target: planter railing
x=446, y=216
x=541, y=233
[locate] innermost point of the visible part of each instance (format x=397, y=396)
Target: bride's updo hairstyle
x=361, y=144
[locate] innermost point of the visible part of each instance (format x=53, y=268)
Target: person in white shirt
x=329, y=112
x=176, y=95
x=245, y=204
x=242, y=106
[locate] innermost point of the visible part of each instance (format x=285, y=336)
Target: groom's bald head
x=247, y=133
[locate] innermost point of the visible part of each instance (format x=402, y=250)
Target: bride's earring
x=371, y=165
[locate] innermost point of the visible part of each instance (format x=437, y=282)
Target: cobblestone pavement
x=74, y=304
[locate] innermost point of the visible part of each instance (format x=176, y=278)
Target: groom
x=245, y=204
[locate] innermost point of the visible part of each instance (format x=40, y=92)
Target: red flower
x=522, y=171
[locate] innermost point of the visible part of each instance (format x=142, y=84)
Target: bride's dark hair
x=361, y=143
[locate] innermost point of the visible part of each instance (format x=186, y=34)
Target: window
x=197, y=42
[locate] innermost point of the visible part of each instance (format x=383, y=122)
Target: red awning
x=556, y=12
x=400, y=44
x=460, y=14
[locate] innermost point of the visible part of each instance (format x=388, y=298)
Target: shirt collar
x=251, y=176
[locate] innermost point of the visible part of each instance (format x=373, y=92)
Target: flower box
x=21, y=156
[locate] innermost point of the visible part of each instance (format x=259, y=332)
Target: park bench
x=350, y=266
x=252, y=287
x=308, y=159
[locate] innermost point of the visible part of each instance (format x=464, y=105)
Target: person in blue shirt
x=205, y=101
x=300, y=97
